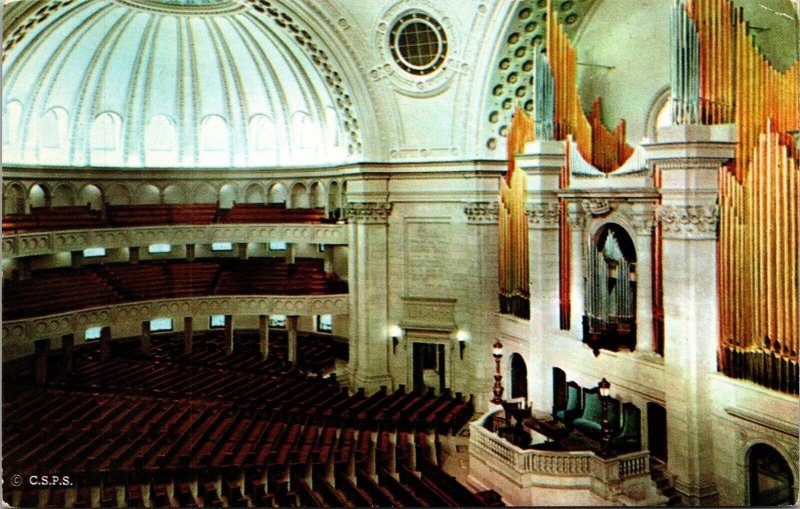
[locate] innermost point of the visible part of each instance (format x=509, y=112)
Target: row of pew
x=82, y=217
x=172, y=430
x=58, y=290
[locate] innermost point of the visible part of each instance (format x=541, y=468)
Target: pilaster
x=368, y=280
x=688, y=158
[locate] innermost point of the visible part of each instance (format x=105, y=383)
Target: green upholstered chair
x=629, y=437
x=573, y=407
x=590, y=421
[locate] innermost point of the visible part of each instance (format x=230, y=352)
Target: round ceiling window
x=418, y=43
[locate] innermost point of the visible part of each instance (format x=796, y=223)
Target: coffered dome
x=171, y=83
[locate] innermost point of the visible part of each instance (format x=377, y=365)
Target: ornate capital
x=481, y=213
x=689, y=221
x=597, y=207
x=369, y=212
x=542, y=215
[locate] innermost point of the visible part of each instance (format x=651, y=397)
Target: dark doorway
x=771, y=479
x=429, y=366
x=559, y=389
x=657, y=431
x=519, y=377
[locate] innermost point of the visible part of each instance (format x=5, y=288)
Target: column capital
x=483, y=212
x=542, y=216
x=692, y=222
x=369, y=212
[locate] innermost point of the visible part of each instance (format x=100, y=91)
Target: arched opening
x=227, y=196
x=161, y=141
x=300, y=199
x=174, y=194
x=657, y=431
x=254, y=194
x=14, y=200
x=214, y=141
x=519, y=377
x=105, y=140
x=63, y=196
x=334, y=206
x=118, y=194
x=610, y=320
x=317, y=195
x=277, y=193
x=38, y=197
x=12, y=118
x=263, y=146
x=204, y=193
x=92, y=196
x=147, y=194
x=771, y=479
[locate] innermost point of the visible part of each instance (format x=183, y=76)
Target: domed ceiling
x=171, y=83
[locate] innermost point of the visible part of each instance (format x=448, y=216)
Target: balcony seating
x=55, y=218
x=147, y=215
x=590, y=421
x=269, y=213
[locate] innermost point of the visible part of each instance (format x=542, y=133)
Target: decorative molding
x=29, y=329
x=428, y=314
x=643, y=224
x=482, y=212
x=689, y=221
x=369, y=212
x=542, y=215
x=762, y=420
x=30, y=244
x=597, y=207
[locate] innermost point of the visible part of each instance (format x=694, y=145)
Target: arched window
x=771, y=479
x=332, y=127
x=306, y=137
x=214, y=141
x=12, y=116
x=610, y=320
x=53, y=133
x=262, y=134
x=161, y=141
x=105, y=140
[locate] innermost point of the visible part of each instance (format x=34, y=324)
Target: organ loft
x=477, y=253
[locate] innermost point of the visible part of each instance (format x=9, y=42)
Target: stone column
x=105, y=343
x=542, y=162
x=76, y=259
x=644, y=221
x=577, y=222
x=228, y=334
x=188, y=334
x=133, y=254
x=190, y=252
x=291, y=333
x=689, y=157
x=42, y=352
x=482, y=226
x=291, y=249
x=67, y=352
x=328, y=263
x=263, y=335
x=145, y=339
x=368, y=269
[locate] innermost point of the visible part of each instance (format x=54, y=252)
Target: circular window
x=418, y=43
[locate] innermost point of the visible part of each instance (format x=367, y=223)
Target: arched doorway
x=519, y=377
x=657, y=431
x=771, y=479
x=610, y=320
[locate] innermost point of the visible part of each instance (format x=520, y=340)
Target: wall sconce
x=462, y=337
x=395, y=332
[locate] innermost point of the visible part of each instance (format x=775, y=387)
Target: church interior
x=337, y=253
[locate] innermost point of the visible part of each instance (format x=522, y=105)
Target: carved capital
x=689, y=221
x=481, y=213
x=542, y=215
x=369, y=212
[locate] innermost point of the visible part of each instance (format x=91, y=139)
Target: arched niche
x=278, y=193
x=38, y=197
x=254, y=194
x=214, y=141
x=300, y=197
x=92, y=195
x=105, y=139
x=610, y=315
x=228, y=195
x=519, y=377
x=317, y=195
x=14, y=199
x=146, y=194
x=63, y=196
x=161, y=142
x=175, y=193
x=117, y=194
x=770, y=478
x=204, y=193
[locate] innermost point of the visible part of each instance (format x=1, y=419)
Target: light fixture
x=461, y=337
x=604, y=388
x=497, y=353
x=395, y=332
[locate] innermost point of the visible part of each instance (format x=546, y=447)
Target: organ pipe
x=717, y=66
